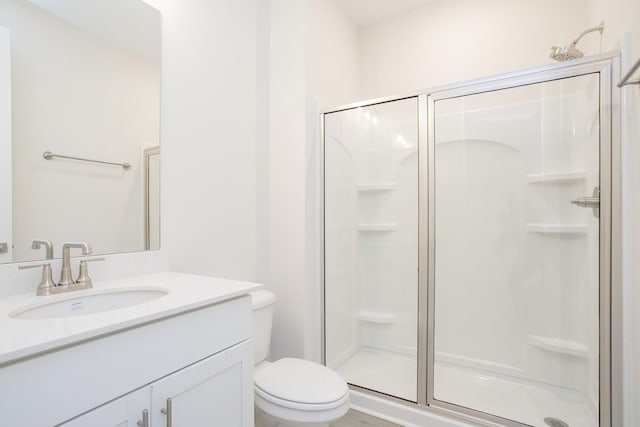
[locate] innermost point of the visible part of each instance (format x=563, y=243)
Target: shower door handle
x=590, y=202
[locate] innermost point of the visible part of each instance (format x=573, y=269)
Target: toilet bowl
x=290, y=391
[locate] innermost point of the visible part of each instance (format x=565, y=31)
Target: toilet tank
x=263, y=303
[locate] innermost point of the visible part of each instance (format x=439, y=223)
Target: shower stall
x=468, y=238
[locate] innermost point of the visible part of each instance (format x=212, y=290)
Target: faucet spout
x=65, y=274
x=48, y=245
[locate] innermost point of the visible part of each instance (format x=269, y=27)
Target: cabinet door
x=217, y=391
x=123, y=412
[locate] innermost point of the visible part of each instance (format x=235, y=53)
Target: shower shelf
x=376, y=317
x=556, y=345
x=390, y=186
x=556, y=178
x=377, y=227
x=556, y=229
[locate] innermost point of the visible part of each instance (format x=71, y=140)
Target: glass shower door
x=371, y=245
x=515, y=285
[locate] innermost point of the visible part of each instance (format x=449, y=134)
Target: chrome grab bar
x=49, y=156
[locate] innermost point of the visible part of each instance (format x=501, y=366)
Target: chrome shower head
x=570, y=51
x=566, y=53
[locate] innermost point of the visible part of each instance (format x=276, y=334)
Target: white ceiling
x=367, y=12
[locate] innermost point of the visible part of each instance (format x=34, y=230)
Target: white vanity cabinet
x=208, y=393
x=189, y=392
x=103, y=370
x=126, y=411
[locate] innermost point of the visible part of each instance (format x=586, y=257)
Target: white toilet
x=291, y=392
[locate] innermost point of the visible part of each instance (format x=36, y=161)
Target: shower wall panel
x=341, y=250
x=516, y=264
x=371, y=245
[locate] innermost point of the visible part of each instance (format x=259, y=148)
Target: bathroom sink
x=90, y=303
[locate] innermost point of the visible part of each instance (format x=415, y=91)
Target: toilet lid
x=301, y=381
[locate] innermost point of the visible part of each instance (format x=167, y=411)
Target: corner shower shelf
x=557, y=178
x=377, y=227
x=387, y=186
x=376, y=317
x=556, y=228
x=556, y=345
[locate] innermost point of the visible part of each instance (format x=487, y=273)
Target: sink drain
x=554, y=422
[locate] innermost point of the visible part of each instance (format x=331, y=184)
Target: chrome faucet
x=37, y=244
x=65, y=274
x=47, y=286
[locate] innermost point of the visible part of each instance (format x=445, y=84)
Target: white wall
x=333, y=44
x=456, y=40
x=287, y=175
x=78, y=95
x=208, y=136
x=333, y=73
x=313, y=64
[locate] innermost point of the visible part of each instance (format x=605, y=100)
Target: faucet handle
x=83, y=277
x=46, y=281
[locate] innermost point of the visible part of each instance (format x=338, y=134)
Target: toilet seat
x=300, y=381
x=300, y=390
x=272, y=400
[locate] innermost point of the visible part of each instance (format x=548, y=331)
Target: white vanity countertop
x=20, y=338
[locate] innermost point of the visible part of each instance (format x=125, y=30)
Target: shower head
x=570, y=51
x=565, y=53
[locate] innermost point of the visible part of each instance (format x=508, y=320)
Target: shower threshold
x=509, y=397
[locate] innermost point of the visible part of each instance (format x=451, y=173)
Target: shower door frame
x=610, y=381
x=609, y=229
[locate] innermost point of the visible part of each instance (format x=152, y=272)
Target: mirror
x=80, y=79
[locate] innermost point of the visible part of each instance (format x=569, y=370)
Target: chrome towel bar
x=625, y=80
x=49, y=156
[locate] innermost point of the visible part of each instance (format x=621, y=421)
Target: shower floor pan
x=508, y=397
x=381, y=370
